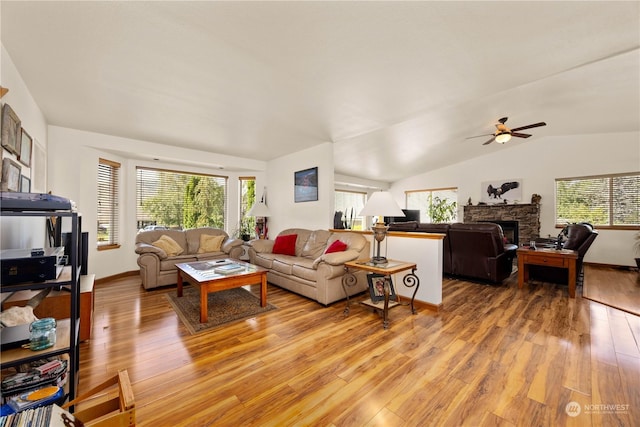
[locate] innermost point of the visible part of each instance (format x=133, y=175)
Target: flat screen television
x=409, y=215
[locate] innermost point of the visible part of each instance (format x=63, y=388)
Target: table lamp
x=261, y=212
x=380, y=204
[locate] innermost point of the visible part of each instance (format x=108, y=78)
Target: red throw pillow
x=285, y=245
x=336, y=246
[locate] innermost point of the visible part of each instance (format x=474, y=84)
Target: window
x=108, y=215
x=606, y=201
x=247, y=199
x=180, y=200
x=350, y=203
x=436, y=205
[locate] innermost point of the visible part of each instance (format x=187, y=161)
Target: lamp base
x=379, y=260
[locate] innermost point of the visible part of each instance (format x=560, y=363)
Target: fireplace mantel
x=527, y=215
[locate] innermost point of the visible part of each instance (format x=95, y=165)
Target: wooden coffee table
x=202, y=274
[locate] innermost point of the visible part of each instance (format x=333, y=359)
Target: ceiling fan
x=504, y=134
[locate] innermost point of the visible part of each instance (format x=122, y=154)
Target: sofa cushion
x=303, y=269
x=315, y=244
x=170, y=263
x=336, y=246
x=353, y=241
x=210, y=243
x=192, y=237
x=285, y=244
x=284, y=264
x=170, y=246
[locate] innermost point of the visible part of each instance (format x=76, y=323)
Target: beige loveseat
x=311, y=272
x=158, y=268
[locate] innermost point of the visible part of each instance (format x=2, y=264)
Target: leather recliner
x=478, y=251
x=579, y=238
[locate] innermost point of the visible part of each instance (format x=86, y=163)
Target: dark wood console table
x=562, y=258
x=392, y=267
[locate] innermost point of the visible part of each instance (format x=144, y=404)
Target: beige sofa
x=158, y=268
x=311, y=272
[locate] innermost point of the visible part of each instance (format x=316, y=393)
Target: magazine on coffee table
x=229, y=268
x=208, y=265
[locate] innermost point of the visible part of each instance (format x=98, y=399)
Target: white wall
x=22, y=233
x=280, y=196
x=538, y=163
x=73, y=173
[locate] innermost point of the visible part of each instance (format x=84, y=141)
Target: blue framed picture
x=306, y=185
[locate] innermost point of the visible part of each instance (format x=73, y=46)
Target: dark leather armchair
x=478, y=251
x=579, y=238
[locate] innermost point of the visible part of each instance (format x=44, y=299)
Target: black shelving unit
x=67, y=331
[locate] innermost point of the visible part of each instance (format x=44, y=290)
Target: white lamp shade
x=381, y=203
x=259, y=209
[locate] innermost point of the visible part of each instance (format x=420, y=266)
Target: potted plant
x=246, y=228
x=442, y=210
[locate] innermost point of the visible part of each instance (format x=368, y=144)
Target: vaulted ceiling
x=395, y=86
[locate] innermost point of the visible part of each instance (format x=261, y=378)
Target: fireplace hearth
x=523, y=219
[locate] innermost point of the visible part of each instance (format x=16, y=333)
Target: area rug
x=224, y=307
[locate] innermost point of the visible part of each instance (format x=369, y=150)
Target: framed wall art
x=377, y=282
x=10, y=130
x=10, y=175
x=306, y=185
x=39, y=168
x=26, y=144
x=25, y=184
x=501, y=191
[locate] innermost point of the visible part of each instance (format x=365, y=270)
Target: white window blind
x=108, y=209
x=604, y=200
x=180, y=200
x=350, y=203
x=436, y=205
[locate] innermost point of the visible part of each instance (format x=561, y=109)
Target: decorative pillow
x=336, y=246
x=285, y=245
x=170, y=246
x=209, y=243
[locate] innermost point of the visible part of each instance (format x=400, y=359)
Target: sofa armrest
x=262, y=245
x=229, y=244
x=336, y=258
x=144, y=248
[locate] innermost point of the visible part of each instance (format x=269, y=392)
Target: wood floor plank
x=493, y=355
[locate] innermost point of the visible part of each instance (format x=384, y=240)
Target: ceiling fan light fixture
x=503, y=137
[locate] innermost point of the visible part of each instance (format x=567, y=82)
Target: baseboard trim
x=616, y=266
x=117, y=276
x=423, y=304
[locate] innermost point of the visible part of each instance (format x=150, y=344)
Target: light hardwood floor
x=494, y=355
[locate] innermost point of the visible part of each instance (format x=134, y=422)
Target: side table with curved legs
x=410, y=280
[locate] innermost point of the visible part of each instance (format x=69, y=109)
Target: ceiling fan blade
x=535, y=125
x=478, y=136
x=489, y=141
x=520, y=135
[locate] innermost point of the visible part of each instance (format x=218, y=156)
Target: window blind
x=177, y=199
x=108, y=209
x=435, y=205
x=604, y=200
x=350, y=203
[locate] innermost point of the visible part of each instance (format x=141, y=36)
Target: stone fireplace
x=519, y=222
